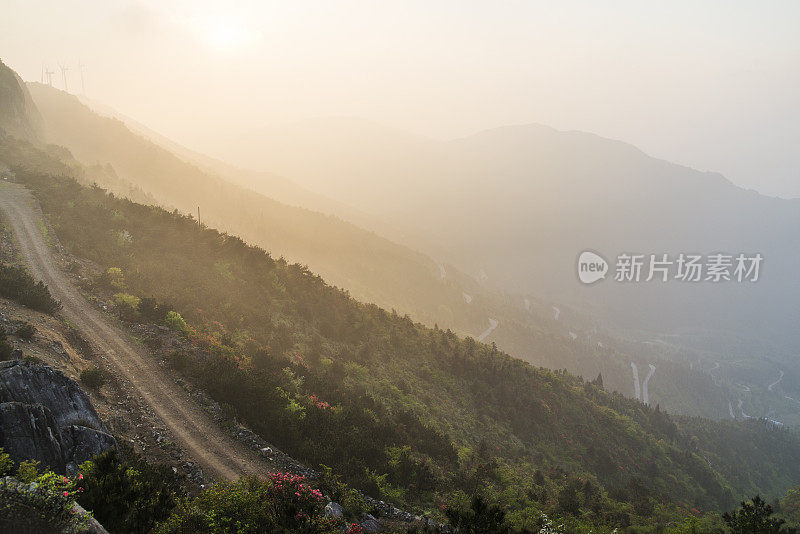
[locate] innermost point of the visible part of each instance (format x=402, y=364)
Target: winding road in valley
x=492, y=325
x=645, y=398
x=742, y=410
x=776, y=382
x=191, y=428
x=636, y=389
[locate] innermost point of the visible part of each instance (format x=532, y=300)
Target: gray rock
x=85, y=444
x=333, y=510
x=370, y=524
x=92, y=525
x=31, y=383
x=46, y=416
x=29, y=431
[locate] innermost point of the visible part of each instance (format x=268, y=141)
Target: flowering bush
x=281, y=503
x=28, y=471
x=322, y=405
x=296, y=495
x=49, y=494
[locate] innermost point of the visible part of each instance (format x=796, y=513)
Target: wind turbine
x=64, y=70
x=83, y=85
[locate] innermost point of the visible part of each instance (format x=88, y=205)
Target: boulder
x=370, y=524
x=46, y=416
x=85, y=444
x=31, y=383
x=29, y=431
x=333, y=510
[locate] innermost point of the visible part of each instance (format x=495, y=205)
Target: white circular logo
x=591, y=267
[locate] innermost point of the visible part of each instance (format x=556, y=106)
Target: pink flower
x=66, y=494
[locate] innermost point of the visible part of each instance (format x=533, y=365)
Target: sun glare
x=223, y=34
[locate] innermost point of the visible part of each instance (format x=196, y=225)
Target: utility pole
x=64, y=70
x=198, y=217
x=49, y=77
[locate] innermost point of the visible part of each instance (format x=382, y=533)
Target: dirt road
x=217, y=452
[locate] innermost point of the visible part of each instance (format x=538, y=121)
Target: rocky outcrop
x=52, y=512
x=29, y=431
x=46, y=416
x=19, y=116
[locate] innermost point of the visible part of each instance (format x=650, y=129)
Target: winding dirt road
x=190, y=427
x=636, y=389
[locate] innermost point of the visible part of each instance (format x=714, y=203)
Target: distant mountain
x=372, y=268
x=274, y=186
x=435, y=413
x=412, y=415
x=516, y=205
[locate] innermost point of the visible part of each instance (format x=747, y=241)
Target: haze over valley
x=377, y=254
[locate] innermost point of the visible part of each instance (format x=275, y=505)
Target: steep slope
x=520, y=203
x=349, y=257
x=371, y=268
x=189, y=425
x=269, y=184
x=399, y=409
x=18, y=114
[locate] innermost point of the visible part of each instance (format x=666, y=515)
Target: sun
x=226, y=34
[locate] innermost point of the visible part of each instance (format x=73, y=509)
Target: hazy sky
x=714, y=85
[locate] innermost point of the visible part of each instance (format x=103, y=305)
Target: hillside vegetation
x=371, y=268
x=413, y=415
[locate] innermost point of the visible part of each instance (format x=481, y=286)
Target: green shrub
x=93, y=378
x=175, y=322
x=6, y=463
x=130, y=496
x=754, y=516
x=27, y=471
x=282, y=503
x=5, y=348
x=150, y=310
x=18, y=285
x=351, y=500
x=26, y=331
x=114, y=279
x=48, y=509
x=480, y=517
x=127, y=305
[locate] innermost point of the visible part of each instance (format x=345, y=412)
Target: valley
x=269, y=329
